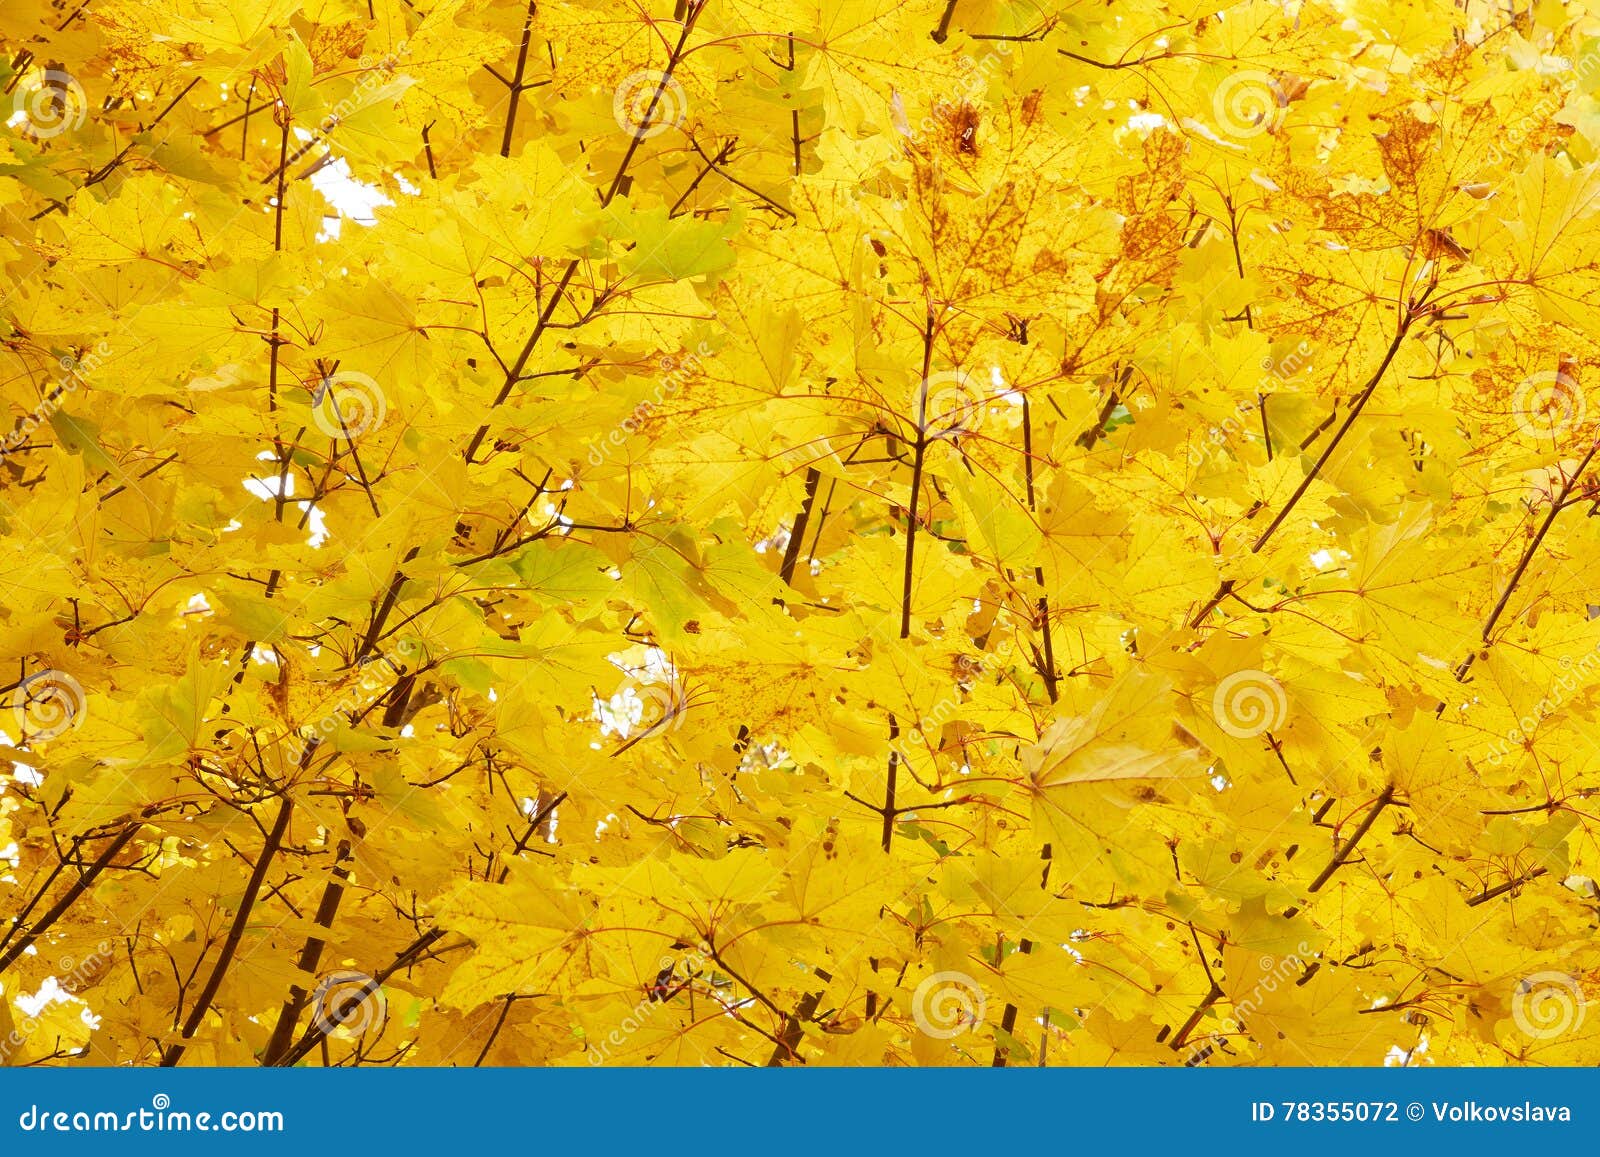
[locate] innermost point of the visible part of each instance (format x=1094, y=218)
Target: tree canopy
x=888, y=532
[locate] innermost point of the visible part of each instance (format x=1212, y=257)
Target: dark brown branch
x=1094, y=433
x=793, y=1031
x=921, y=450
x=889, y=812
x=515, y=373
x=1224, y=589
x=1048, y=666
x=1211, y=997
x=1385, y=798
x=1509, y=886
x=319, y=1030
x=1213, y=994
x=310, y=955
x=115, y=162
x=241, y=919
x=1115, y=65
x=791, y=553
x=655, y=100
x=534, y=825
x=1556, y=506
x=515, y=83
x=494, y=1033
x=375, y=628
x=70, y=897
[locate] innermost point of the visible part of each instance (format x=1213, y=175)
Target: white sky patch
x=50, y=992
x=267, y=488
x=1200, y=128
x=351, y=199
x=552, y=513
x=1003, y=390
x=316, y=523
x=23, y=773
x=623, y=711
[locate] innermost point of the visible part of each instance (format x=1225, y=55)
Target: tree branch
x=1385, y=798
x=71, y=896
x=315, y=1034
x=1349, y=420
x=310, y=954
x=241, y=920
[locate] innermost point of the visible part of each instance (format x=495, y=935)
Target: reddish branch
x=1509, y=886
x=515, y=84
x=791, y=553
x=1355, y=412
x=534, y=825
x=1213, y=994
x=1047, y=661
x=1008, y=1017
x=889, y=812
x=1305, y=483
x=1557, y=505
x=115, y=162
